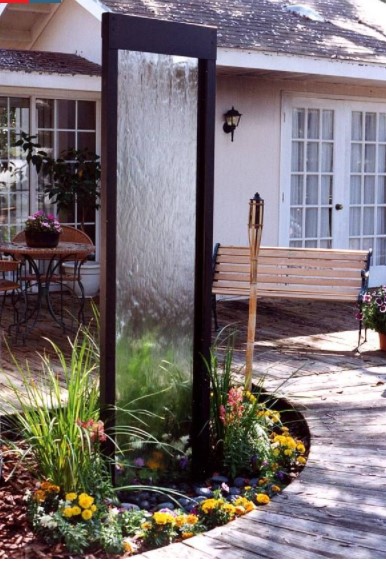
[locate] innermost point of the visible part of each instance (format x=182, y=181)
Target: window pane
x=86, y=115
x=86, y=141
x=297, y=156
x=45, y=113
x=368, y=220
x=328, y=124
x=66, y=114
x=380, y=257
x=313, y=124
x=355, y=221
x=369, y=192
x=382, y=190
x=296, y=229
x=382, y=158
x=355, y=190
x=381, y=221
x=327, y=157
x=356, y=157
x=66, y=140
x=19, y=114
x=369, y=158
x=312, y=157
x=311, y=227
x=326, y=220
x=356, y=126
x=382, y=127
x=370, y=126
x=326, y=189
x=312, y=189
x=3, y=111
x=296, y=189
x=46, y=140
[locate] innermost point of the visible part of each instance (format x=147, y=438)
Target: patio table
x=42, y=268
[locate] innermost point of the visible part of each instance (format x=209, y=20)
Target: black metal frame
x=121, y=32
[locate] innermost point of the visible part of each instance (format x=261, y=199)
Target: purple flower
x=139, y=462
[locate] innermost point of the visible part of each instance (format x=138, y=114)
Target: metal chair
x=9, y=283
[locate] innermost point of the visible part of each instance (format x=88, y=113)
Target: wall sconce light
x=232, y=120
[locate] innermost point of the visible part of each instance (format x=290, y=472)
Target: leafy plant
x=58, y=413
x=72, y=178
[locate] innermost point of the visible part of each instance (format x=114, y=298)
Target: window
x=60, y=125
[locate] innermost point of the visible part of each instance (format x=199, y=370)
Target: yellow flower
x=250, y=506
x=240, y=510
x=93, y=508
x=146, y=526
x=276, y=452
x=262, y=499
x=247, y=488
x=187, y=535
x=71, y=496
x=209, y=505
x=67, y=512
x=163, y=518
x=86, y=514
x=181, y=520
x=301, y=460
x=262, y=481
x=76, y=510
x=85, y=501
x=284, y=429
x=128, y=546
x=276, y=489
x=300, y=447
x=288, y=452
x=229, y=508
x=191, y=519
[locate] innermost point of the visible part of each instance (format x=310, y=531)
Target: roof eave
x=54, y=81
x=307, y=65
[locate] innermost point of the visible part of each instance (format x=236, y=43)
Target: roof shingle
x=47, y=62
x=351, y=29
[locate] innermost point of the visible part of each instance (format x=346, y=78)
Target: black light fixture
x=232, y=120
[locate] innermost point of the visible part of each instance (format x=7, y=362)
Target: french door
x=334, y=177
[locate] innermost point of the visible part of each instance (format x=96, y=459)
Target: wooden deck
x=337, y=508
x=28, y=355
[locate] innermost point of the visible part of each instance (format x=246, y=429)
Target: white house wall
x=252, y=162
x=72, y=30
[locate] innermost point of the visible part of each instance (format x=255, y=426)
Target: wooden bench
x=291, y=272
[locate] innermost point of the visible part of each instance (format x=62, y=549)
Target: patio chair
x=10, y=284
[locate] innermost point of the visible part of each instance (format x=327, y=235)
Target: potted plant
x=373, y=312
x=42, y=230
x=70, y=180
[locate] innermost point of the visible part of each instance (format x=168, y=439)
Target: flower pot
x=90, y=276
x=382, y=341
x=41, y=239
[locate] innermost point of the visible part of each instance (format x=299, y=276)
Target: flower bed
x=71, y=505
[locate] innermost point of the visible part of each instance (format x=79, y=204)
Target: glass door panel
x=312, y=177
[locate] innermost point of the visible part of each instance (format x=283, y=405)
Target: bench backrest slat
x=322, y=271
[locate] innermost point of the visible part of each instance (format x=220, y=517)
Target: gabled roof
x=46, y=62
x=343, y=29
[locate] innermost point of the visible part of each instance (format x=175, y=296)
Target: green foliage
x=149, y=381
x=73, y=178
x=58, y=416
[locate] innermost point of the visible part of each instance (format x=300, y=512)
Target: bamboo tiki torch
x=255, y=228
